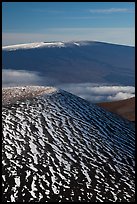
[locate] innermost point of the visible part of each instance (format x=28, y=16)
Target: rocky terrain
x=58, y=147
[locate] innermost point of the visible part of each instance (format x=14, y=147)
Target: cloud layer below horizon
x=89, y=91
x=122, y=36
x=100, y=92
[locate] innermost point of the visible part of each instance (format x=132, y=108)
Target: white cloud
x=11, y=77
x=19, y=77
x=121, y=96
x=110, y=89
x=100, y=92
x=89, y=91
x=111, y=10
x=122, y=36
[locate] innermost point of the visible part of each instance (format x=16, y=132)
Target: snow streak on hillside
x=33, y=45
x=42, y=44
x=58, y=147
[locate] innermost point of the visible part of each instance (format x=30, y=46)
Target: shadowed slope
x=58, y=147
x=81, y=62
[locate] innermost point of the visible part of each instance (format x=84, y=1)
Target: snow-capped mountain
x=44, y=44
x=58, y=147
x=33, y=45
x=73, y=62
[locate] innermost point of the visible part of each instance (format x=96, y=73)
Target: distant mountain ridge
x=73, y=62
x=52, y=44
x=44, y=44
x=57, y=147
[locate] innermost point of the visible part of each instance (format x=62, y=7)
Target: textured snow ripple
x=60, y=148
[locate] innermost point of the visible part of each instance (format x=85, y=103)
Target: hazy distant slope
x=74, y=62
x=125, y=108
x=59, y=147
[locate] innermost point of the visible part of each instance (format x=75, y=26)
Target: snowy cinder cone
x=59, y=147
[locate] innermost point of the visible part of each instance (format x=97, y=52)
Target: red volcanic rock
x=124, y=108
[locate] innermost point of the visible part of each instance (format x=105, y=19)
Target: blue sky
x=24, y=22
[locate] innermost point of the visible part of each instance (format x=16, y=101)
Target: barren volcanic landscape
x=57, y=146
x=61, y=148
x=124, y=108
x=68, y=102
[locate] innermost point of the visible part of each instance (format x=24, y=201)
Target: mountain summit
x=81, y=62
x=59, y=147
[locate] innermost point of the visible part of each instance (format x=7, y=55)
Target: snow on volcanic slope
x=40, y=45
x=59, y=147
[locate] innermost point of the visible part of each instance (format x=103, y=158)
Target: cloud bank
x=99, y=92
x=19, y=77
x=90, y=91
